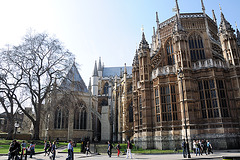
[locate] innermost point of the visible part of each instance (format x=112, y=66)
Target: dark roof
x=113, y=71
x=73, y=81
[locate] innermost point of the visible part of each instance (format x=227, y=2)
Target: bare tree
x=40, y=59
x=9, y=84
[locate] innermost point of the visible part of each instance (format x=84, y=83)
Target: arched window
x=80, y=118
x=61, y=119
x=106, y=88
x=196, y=47
x=170, y=55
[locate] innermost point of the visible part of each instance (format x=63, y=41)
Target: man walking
x=70, y=150
x=53, y=150
x=184, y=147
x=109, y=150
x=129, y=147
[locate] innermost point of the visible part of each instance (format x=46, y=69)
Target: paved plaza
x=62, y=156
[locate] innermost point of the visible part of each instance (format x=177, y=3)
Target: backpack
x=111, y=146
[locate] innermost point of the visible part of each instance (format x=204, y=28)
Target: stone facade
x=112, y=86
x=208, y=59
x=70, y=110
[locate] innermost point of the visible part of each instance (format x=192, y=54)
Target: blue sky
x=90, y=29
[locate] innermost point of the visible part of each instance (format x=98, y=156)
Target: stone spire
x=214, y=17
x=224, y=24
x=204, y=13
x=154, y=33
x=178, y=26
x=143, y=44
x=95, y=72
x=99, y=64
x=90, y=85
x=177, y=9
x=238, y=35
x=157, y=20
x=203, y=7
x=125, y=68
x=135, y=59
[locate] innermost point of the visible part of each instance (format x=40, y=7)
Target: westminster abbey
x=190, y=73
x=208, y=57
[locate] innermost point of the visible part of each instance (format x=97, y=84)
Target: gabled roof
x=73, y=81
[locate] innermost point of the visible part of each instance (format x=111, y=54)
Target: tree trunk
x=10, y=128
x=36, y=125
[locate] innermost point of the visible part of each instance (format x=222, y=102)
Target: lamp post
x=180, y=75
x=16, y=125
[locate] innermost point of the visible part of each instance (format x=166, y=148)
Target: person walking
x=109, y=150
x=70, y=150
x=184, y=147
x=118, y=147
x=45, y=147
x=32, y=149
x=88, y=148
x=53, y=150
x=209, y=147
x=129, y=148
x=49, y=147
x=198, y=146
x=194, y=146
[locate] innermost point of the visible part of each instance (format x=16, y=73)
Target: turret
x=229, y=41
x=100, y=67
x=205, y=17
x=157, y=20
x=90, y=85
x=95, y=80
x=214, y=17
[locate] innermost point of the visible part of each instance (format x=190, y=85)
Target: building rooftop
x=113, y=71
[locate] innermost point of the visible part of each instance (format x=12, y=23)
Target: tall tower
x=228, y=41
x=144, y=98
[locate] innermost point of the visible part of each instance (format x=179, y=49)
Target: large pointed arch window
x=61, y=119
x=80, y=117
x=170, y=55
x=196, y=47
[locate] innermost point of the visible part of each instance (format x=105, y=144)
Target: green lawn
x=4, y=149
x=4, y=145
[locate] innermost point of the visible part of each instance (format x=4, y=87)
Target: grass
x=4, y=149
x=4, y=145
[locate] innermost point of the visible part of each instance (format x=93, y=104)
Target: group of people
x=118, y=147
x=50, y=148
x=15, y=148
x=199, y=147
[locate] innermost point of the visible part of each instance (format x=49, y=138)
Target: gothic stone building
x=208, y=57
x=112, y=86
x=69, y=110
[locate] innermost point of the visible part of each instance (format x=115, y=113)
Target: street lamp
x=16, y=127
x=180, y=75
